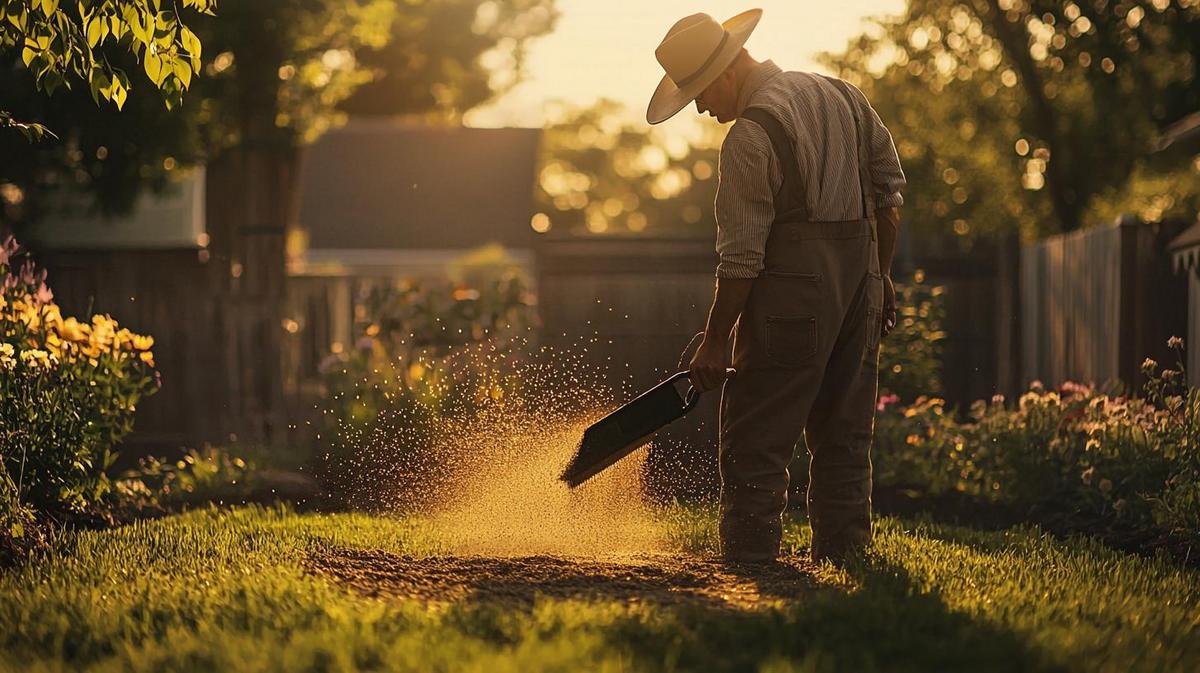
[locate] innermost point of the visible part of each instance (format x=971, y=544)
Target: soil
x=659, y=579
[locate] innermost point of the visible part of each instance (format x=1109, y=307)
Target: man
x=806, y=225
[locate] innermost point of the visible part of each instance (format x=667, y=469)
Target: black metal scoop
x=620, y=433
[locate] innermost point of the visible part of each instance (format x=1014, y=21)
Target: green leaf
x=100, y=85
x=27, y=56
x=154, y=67
x=134, y=21
x=119, y=94
x=95, y=32
x=191, y=43
x=49, y=7
x=16, y=529
x=183, y=71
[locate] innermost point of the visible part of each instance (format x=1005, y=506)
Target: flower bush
x=910, y=358
x=1091, y=456
x=68, y=392
x=424, y=349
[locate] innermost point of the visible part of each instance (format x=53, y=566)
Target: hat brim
x=669, y=99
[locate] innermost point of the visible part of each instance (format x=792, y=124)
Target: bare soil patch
x=659, y=579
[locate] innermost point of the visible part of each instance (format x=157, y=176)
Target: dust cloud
x=484, y=470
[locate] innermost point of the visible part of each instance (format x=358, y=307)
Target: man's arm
x=888, y=224
x=745, y=207
x=709, y=365
x=887, y=178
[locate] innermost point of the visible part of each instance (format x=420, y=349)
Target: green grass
x=225, y=591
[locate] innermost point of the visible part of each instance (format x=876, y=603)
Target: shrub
x=206, y=475
x=424, y=348
x=910, y=357
x=68, y=392
x=1088, y=456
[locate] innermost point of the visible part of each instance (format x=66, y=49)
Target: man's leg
x=762, y=412
x=838, y=434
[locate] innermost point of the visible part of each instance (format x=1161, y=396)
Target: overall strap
x=863, y=148
x=790, y=199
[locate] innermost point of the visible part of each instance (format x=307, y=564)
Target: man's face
x=719, y=99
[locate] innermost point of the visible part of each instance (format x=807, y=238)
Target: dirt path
x=660, y=579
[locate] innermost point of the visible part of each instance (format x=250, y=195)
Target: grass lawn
x=261, y=590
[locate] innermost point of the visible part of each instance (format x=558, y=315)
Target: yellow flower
x=54, y=344
x=123, y=339
x=51, y=314
x=72, y=330
x=37, y=358
x=147, y=357
x=8, y=360
x=143, y=343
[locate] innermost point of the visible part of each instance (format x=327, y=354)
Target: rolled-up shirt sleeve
x=745, y=208
x=886, y=174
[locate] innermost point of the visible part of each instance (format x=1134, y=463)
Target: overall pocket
x=791, y=340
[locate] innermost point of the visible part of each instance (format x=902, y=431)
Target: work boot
x=839, y=550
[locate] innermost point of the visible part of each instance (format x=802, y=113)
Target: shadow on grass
x=886, y=623
x=703, y=615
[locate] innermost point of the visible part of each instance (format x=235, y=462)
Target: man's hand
x=709, y=364
x=889, y=306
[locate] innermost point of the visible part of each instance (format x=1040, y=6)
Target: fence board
x=1095, y=302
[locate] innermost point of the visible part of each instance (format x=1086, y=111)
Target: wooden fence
x=214, y=312
x=1095, y=303
x=638, y=302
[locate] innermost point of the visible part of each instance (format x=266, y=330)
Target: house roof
x=376, y=184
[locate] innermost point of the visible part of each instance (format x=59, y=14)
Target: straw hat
x=695, y=51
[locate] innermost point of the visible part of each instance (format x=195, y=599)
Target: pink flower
x=8, y=248
x=885, y=401
x=1072, y=389
x=43, y=295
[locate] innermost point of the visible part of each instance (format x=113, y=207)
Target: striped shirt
x=815, y=116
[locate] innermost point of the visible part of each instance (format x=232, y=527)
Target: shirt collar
x=754, y=81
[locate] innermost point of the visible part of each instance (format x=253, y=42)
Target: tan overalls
x=806, y=350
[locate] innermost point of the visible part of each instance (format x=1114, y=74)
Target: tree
x=62, y=43
x=1033, y=115
x=603, y=173
x=276, y=75
x=448, y=56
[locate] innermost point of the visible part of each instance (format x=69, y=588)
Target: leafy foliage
x=66, y=42
x=68, y=393
x=424, y=349
x=1021, y=114
x=275, y=76
x=910, y=357
x=405, y=327
x=445, y=57
x=1098, y=459
x=205, y=475
x=600, y=173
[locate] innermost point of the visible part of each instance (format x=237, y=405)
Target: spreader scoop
x=620, y=433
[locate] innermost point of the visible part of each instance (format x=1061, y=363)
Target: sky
x=605, y=48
